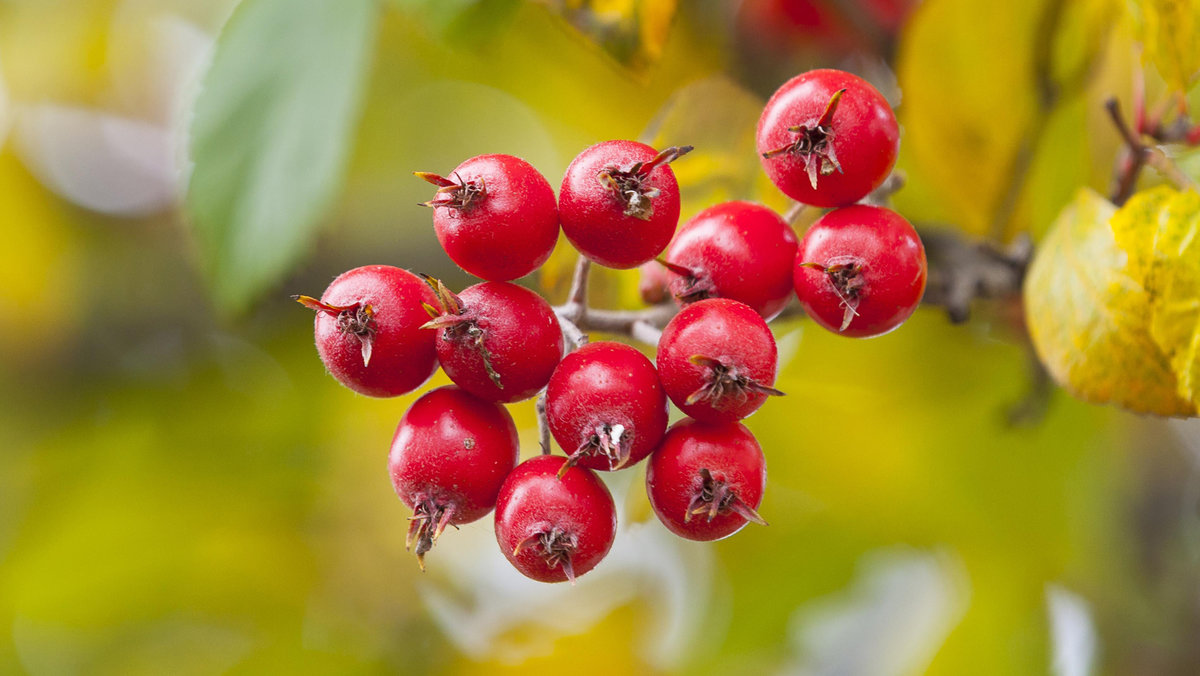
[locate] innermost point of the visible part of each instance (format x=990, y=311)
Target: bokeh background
x=184, y=490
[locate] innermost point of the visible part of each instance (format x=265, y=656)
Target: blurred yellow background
x=184, y=490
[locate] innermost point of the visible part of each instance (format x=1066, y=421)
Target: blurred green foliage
x=183, y=490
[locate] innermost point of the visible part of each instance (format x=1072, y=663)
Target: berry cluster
x=826, y=138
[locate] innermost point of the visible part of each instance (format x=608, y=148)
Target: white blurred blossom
x=891, y=621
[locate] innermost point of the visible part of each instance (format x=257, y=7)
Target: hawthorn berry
x=827, y=138
x=860, y=271
x=449, y=457
x=619, y=202
x=605, y=406
x=554, y=522
x=705, y=481
x=654, y=283
x=496, y=340
x=368, y=330
x=737, y=250
x=495, y=216
x=717, y=360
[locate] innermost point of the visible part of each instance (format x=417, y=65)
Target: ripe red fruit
x=496, y=340
x=450, y=454
x=860, y=271
x=619, y=202
x=735, y=250
x=551, y=527
x=705, y=481
x=495, y=216
x=605, y=406
x=368, y=330
x=827, y=138
x=717, y=360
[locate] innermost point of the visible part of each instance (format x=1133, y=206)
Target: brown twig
x=961, y=270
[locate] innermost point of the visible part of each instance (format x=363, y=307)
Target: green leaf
x=1096, y=304
x=1170, y=33
x=270, y=137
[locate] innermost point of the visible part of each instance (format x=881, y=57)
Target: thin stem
x=543, y=423
x=621, y=321
x=1156, y=158
x=645, y=332
x=575, y=336
x=793, y=214
x=575, y=309
x=1130, y=167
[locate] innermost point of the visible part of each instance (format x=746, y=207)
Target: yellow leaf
x=1090, y=315
x=994, y=125
x=1175, y=282
x=1132, y=228
x=1170, y=32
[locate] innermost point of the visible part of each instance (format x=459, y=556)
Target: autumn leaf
x=1112, y=305
x=1170, y=34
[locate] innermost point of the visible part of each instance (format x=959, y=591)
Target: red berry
x=450, y=454
x=605, y=406
x=735, y=250
x=717, y=360
x=550, y=527
x=496, y=340
x=495, y=216
x=860, y=271
x=827, y=138
x=619, y=202
x=705, y=481
x=368, y=330
x=653, y=283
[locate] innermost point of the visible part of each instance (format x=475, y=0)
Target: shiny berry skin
x=737, y=250
x=450, y=454
x=554, y=528
x=826, y=148
x=368, y=330
x=495, y=216
x=619, y=202
x=606, y=407
x=705, y=481
x=497, y=340
x=717, y=360
x=860, y=271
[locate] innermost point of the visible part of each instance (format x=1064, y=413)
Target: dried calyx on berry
x=726, y=385
x=554, y=544
x=460, y=324
x=691, y=284
x=430, y=517
x=714, y=497
x=629, y=185
x=613, y=443
x=457, y=194
x=846, y=278
x=814, y=143
x=357, y=319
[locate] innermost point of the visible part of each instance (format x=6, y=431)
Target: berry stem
x=645, y=332
x=575, y=309
x=543, y=422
